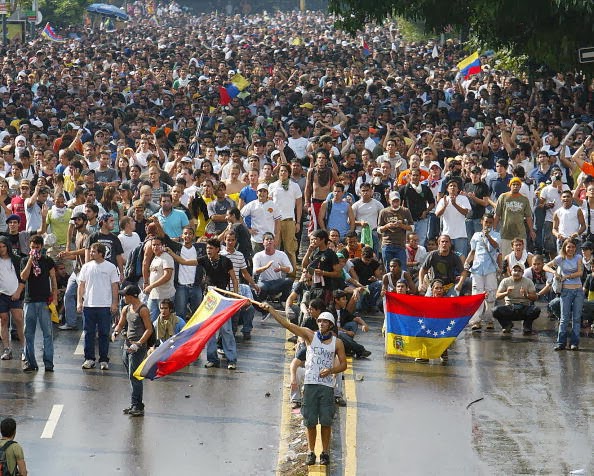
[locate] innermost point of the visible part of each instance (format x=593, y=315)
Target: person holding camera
x=483, y=263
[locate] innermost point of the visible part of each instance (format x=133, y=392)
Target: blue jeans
x=184, y=295
x=472, y=226
x=70, y=301
x=131, y=362
x=390, y=252
x=38, y=312
x=460, y=245
x=572, y=302
x=246, y=315
x=229, y=346
x=421, y=229
x=370, y=298
x=270, y=288
x=97, y=319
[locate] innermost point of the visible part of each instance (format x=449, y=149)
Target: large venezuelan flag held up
x=423, y=327
x=184, y=348
x=470, y=65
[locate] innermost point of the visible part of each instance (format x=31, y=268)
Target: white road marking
x=80, y=348
x=52, y=421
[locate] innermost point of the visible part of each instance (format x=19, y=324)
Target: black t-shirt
x=446, y=268
x=325, y=260
x=113, y=245
x=416, y=203
x=365, y=271
x=481, y=191
x=244, y=242
x=217, y=273
x=37, y=288
x=14, y=242
x=342, y=317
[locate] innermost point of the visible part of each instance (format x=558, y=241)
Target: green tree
x=547, y=31
x=63, y=12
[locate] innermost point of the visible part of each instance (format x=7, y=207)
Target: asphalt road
x=535, y=416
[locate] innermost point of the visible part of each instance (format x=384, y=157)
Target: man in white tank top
x=568, y=220
x=325, y=358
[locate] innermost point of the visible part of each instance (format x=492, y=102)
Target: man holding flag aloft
x=325, y=358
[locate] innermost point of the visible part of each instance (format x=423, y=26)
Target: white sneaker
x=104, y=366
x=6, y=355
x=88, y=364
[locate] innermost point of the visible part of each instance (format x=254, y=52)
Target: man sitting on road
x=272, y=265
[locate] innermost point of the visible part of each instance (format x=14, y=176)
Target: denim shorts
x=318, y=405
x=6, y=304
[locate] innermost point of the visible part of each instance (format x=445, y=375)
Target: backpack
x=3, y=463
x=133, y=268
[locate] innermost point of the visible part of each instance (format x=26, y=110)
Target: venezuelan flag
x=49, y=33
x=423, y=327
x=239, y=82
x=185, y=347
x=470, y=65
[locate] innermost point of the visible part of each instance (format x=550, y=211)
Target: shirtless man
x=233, y=183
x=320, y=180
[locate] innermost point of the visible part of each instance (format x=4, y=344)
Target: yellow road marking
x=350, y=446
x=285, y=424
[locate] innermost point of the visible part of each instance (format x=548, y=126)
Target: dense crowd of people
x=188, y=151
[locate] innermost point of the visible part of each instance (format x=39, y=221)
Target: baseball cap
x=130, y=290
x=587, y=245
x=434, y=163
x=327, y=317
x=13, y=217
x=80, y=215
x=262, y=186
x=515, y=180
x=394, y=195
x=519, y=265
x=307, y=105
x=104, y=217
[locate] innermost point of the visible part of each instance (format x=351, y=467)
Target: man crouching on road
x=320, y=370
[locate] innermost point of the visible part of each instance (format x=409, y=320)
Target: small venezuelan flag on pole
x=470, y=65
x=49, y=33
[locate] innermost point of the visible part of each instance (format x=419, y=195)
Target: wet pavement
x=197, y=421
x=535, y=416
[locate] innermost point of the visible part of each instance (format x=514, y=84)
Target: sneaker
x=88, y=364
x=295, y=405
x=324, y=459
x=559, y=347
x=231, y=366
x=340, y=401
x=311, y=459
x=444, y=357
x=574, y=347
x=126, y=411
x=136, y=411
x=210, y=365
x=6, y=355
x=421, y=361
x=490, y=326
x=66, y=327
x=507, y=329
x=29, y=368
x=104, y=366
x=247, y=336
x=476, y=327
x=49, y=369
x=364, y=354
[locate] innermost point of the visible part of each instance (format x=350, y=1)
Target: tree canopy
x=549, y=32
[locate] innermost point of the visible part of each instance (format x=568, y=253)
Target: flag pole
x=235, y=295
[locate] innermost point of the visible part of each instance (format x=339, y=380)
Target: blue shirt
x=569, y=266
x=248, y=194
x=173, y=224
x=485, y=255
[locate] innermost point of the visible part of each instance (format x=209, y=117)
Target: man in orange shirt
x=404, y=176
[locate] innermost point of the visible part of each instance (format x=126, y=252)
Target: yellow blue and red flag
x=49, y=33
x=185, y=347
x=423, y=327
x=238, y=84
x=470, y=65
